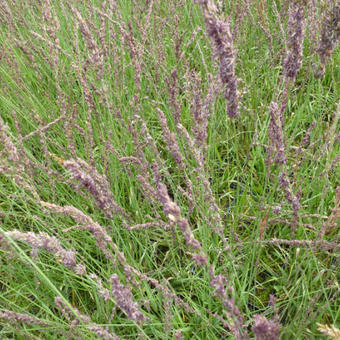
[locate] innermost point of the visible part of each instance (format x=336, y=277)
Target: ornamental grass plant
x=169, y=169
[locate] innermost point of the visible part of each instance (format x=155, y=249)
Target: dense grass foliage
x=169, y=169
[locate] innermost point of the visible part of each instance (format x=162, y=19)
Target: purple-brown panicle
x=265, y=329
x=220, y=33
x=295, y=28
x=51, y=244
x=124, y=299
x=330, y=34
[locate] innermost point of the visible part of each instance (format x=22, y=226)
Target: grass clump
x=169, y=170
